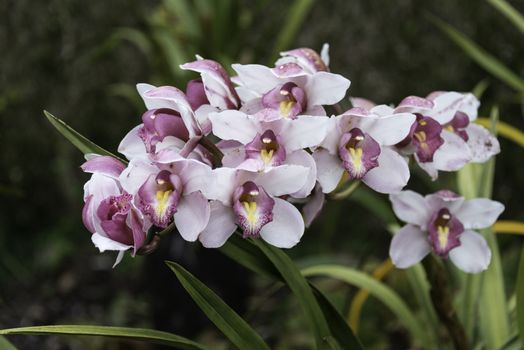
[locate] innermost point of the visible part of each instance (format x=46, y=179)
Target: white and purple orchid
x=443, y=222
x=109, y=212
x=359, y=144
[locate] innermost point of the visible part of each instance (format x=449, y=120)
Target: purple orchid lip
x=113, y=212
x=288, y=99
x=359, y=153
x=196, y=93
x=159, y=196
x=425, y=136
x=444, y=232
x=266, y=147
x=458, y=125
x=253, y=208
x=160, y=123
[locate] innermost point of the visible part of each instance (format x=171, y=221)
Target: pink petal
x=192, y=216
x=220, y=227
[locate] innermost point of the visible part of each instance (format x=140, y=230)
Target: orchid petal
x=303, y=132
x=132, y=145
x=329, y=170
x=388, y=130
x=391, y=175
x=313, y=207
x=410, y=207
x=258, y=78
x=104, y=165
x=473, y=255
x=220, y=227
x=479, y=212
x=453, y=154
x=104, y=243
x=287, y=226
x=409, y=246
x=283, y=179
x=325, y=88
x=192, y=215
x=233, y=125
x=303, y=158
x=136, y=173
x=482, y=143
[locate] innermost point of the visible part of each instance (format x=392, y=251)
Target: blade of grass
x=479, y=55
x=147, y=335
x=225, y=318
x=509, y=11
x=520, y=298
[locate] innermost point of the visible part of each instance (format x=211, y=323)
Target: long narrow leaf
x=482, y=57
x=6, y=344
x=520, y=298
x=147, y=335
x=379, y=290
x=509, y=11
x=300, y=287
x=247, y=254
x=225, y=318
x=296, y=15
x=82, y=143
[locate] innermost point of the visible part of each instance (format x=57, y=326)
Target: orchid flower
x=443, y=222
x=287, y=91
x=250, y=202
x=443, y=138
x=109, y=212
x=307, y=58
x=359, y=144
x=162, y=131
x=172, y=190
x=263, y=145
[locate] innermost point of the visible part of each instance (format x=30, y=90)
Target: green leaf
x=300, y=287
x=248, y=255
x=520, y=298
x=147, y=335
x=338, y=326
x=482, y=57
x=227, y=320
x=6, y=344
x=509, y=11
x=379, y=290
x=82, y=143
x=296, y=15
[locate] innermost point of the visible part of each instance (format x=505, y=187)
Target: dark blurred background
x=80, y=61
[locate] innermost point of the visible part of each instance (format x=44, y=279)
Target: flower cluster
x=240, y=153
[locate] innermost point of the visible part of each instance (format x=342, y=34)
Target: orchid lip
x=113, y=212
x=458, y=125
x=159, y=196
x=426, y=138
x=288, y=99
x=444, y=232
x=359, y=153
x=266, y=147
x=253, y=208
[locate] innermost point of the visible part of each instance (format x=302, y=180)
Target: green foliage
x=225, y=318
x=520, y=297
x=147, y=335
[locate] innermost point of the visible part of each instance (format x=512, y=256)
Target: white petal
x=132, y=145
x=482, y=143
x=449, y=103
x=283, y=179
x=233, y=125
x=192, y=216
x=329, y=170
x=473, y=255
x=196, y=176
x=388, y=130
x=305, y=159
x=453, y=154
x=428, y=167
x=104, y=243
x=223, y=183
x=136, y=173
x=304, y=132
x=221, y=226
x=408, y=246
x=410, y=207
x=323, y=88
x=313, y=207
x=324, y=54
x=479, y=212
x=256, y=77
x=287, y=226
x=391, y=175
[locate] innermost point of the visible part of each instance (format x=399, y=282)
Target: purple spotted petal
x=444, y=231
x=359, y=153
x=414, y=104
x=158, y=197
x=309, y=58
x=253, y=208
x=288, y=70
x=266, y=147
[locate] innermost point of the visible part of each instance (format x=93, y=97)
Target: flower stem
x=443, y=304
x=345, y=192
x=213, y=149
